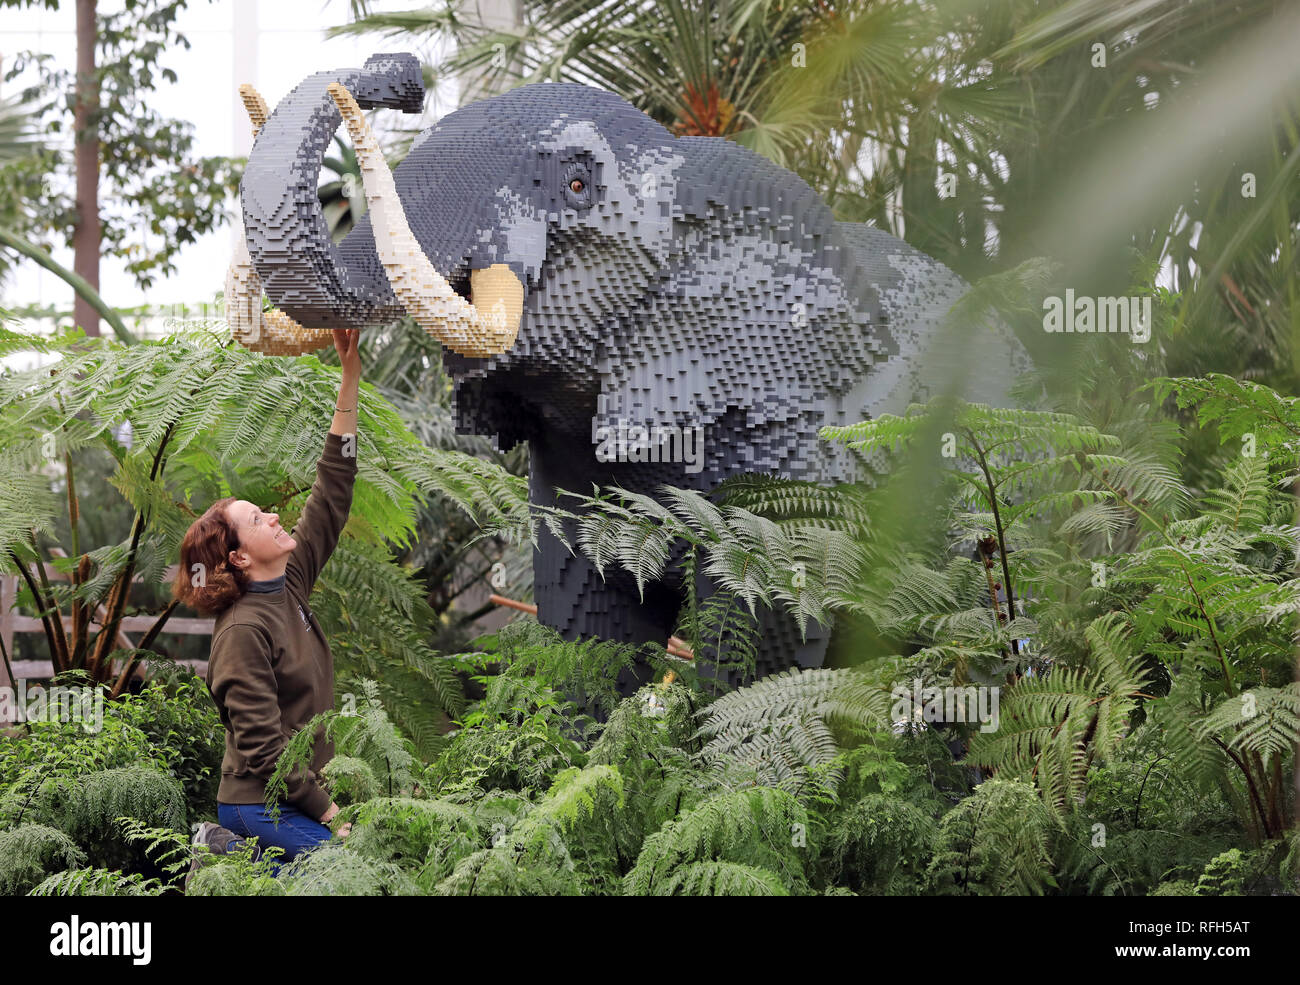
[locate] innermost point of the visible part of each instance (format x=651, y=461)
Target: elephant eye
x=576, y=188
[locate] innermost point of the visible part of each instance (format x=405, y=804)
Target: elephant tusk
x=271, y=332
x=486, y=327
x=256, y=107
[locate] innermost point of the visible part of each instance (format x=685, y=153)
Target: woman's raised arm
x=326, y=510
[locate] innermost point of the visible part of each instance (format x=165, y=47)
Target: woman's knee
x=307, y=832
x=292, y=831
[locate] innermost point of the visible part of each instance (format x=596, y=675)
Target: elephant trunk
x=311, y=280
x=483, y=326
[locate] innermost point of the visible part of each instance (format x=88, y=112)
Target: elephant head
x=586, y=270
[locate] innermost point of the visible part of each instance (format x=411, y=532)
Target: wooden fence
x=11, y=622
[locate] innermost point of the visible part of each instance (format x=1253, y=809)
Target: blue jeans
x=295, y=832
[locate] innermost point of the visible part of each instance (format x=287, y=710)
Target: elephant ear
x=758, y=319
x=916, y=295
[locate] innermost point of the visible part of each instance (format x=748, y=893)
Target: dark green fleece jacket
x=270, y=669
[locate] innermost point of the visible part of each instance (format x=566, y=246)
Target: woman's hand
x=346, y=343
x=330, y=814
x=345, y=411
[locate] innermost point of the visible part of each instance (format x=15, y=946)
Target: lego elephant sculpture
x=589, y=274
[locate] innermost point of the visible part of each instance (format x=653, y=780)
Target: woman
x=270, y=669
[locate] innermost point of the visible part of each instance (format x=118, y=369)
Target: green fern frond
x=88, y=804
x=757, y=826
x=1263, y=721
x=718, y=878
x=30, y=852
x=334, y=869
x=98, y=882
x=1054, y=726
x=493, y=872
x=997, y=842
x=881, y=846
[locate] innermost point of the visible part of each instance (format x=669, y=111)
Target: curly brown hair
x=205, y=580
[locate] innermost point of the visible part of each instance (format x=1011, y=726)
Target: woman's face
x=262, y=540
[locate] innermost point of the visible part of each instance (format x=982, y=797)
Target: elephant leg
x=574, y=600
x=572, y=597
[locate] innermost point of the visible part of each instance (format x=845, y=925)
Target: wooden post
x=676, y=647
x=8, y=594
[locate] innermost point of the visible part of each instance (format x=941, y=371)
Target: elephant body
x=689, y=284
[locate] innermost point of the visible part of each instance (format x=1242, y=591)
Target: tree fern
x=881, y=846
x=723, y=636
x=572, y=828
x=1247, y=499
x=652, y=750
x=98, y=882
x=491, y=872
x=169, y=849
x=756, y=826
x=1236, y=408
x=1136, y=862
x=573, y=797
x=379, y=624
x=502, y=755
x=350, y=779
x=87, y=805
x=772, y=732
x=1054, y=726
x=585, y=670
x=427, y=837
x=246, y=871
x=790, y=502
x=1179, y=718
x=1236, y=873
x=1264, y=720
x=30, y=505
x=997, y=842
x=335, y=870
x=805, y=569
x=365, y=734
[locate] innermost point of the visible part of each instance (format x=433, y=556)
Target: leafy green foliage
x=29, y=852
x=881, y=847
x=367, y=738
x=774, y=732
x=534, y=656
x=996, y=842
x=1058, y=724
x=1142, y=741
x=758, y=827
